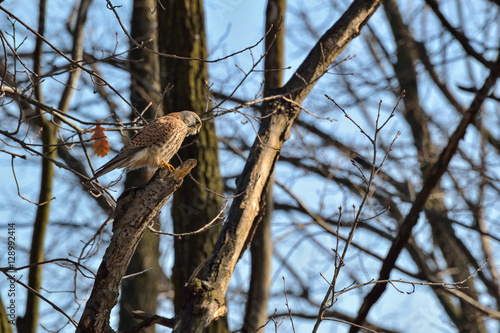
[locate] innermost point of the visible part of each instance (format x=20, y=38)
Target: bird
x=155, y=144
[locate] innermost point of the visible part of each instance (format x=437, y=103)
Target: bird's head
x=192, y=121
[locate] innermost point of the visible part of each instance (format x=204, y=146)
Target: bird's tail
x=117, y=162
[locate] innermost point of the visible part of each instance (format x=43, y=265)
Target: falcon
x=155, y=144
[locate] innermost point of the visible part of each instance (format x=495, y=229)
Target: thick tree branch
x=205, y=300
x=136, y=207
x=329, y=47
x=262, y=247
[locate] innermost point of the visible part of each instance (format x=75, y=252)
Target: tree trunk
x=182, y=32
x=29, y=322
x=140, y=292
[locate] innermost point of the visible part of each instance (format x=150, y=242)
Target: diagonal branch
x=136, y=208
x=459, y=36
x=205, y=297
x=432, y=179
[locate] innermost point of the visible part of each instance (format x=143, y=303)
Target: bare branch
x=434, y=175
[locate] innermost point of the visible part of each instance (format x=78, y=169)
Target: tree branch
x=136, y=207
x=433, y=177
x=459, y=36
x=205, y=297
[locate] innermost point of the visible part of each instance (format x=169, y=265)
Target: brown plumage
x=155, y=144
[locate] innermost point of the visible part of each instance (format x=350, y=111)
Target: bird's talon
x=169, y=166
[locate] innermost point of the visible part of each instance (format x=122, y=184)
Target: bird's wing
x=156, y=132
x=160, y=131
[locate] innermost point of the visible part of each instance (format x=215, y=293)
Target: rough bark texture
x=135, y=210
x=205, y=301
x=182, y=27
x=260, y=280
x=261, y=248
x=140, y=292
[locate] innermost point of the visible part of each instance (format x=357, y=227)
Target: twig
x=13, y=154
x=209, y=225
x=149, y=320
x=76, y=264
x=286, y=303
x=166, y=55
x=31, y=290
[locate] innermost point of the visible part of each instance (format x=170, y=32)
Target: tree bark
x=135, y=210
x=262, y=248
x=205, y=300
